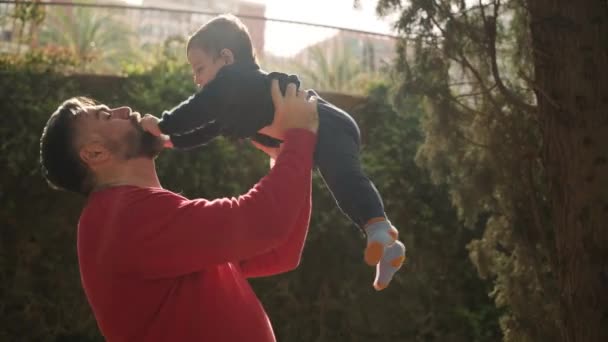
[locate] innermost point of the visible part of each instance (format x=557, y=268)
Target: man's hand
x=150, y=124
x=293, y=110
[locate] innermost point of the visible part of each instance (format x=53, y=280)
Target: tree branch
x=490, y=28
x=465, y=62
x=464, y=106
x=462, y=136
x=535, y=87
x=474, y=94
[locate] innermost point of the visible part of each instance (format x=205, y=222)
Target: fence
x=104, y=37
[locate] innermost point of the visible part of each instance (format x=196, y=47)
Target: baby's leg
x=338, y=160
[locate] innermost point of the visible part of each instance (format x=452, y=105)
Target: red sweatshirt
x=156, y=266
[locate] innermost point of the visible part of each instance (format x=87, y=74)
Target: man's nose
x=121, y=112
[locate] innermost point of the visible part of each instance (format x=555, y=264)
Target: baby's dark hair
x=224, y=32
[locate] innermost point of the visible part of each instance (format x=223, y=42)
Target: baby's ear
x=227, y=56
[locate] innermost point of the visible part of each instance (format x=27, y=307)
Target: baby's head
x=221, y=41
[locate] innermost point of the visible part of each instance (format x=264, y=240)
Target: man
x=156, y=266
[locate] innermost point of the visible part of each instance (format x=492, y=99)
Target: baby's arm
x=185, y=141
x=198, y=137
x=191, y=123
x=195, y=112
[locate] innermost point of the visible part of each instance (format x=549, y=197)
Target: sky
x=285, y=39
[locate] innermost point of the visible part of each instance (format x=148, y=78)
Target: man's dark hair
x=61, y=164
x=224, y=32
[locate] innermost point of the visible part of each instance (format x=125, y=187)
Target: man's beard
x=141, y=144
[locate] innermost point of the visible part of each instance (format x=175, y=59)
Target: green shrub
x=437, y=297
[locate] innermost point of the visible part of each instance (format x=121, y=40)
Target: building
x=155, y=26
x=248, y=13
x=373, y=50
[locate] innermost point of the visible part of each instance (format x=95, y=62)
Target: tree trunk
x=570, y=41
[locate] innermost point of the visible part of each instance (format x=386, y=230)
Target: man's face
x=117, y=130
x=204, y=66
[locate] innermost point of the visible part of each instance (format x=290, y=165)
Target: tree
x=337, y=72
x=332, y=66
x=523, y=153
x=436, y=297
x=27, y=14
x=571, y=75
x=98, y=41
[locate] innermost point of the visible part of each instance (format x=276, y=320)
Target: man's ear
x=227, y=56
x=94, y=154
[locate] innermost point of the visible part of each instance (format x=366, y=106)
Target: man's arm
x=197, y=234
x=287, y=256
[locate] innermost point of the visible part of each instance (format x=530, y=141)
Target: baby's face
x=204, y=65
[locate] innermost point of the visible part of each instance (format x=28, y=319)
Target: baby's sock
x=392, y=259
x=380, y=234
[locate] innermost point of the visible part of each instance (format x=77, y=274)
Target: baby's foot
x=391, y=262
x=379, y=236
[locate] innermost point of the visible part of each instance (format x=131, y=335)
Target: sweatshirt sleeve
x=200, y=233
x=287, y=256
x=197, y=137
x=193, y=113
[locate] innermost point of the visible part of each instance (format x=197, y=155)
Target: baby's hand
x=150, y=124
x=167, y=143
